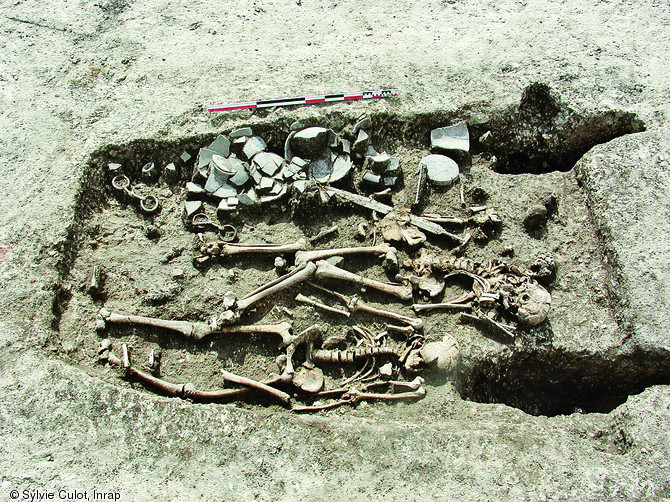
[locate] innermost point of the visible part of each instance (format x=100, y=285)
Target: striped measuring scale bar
x=304, y=100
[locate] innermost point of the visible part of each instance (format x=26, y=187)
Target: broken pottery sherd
x=191, y=208
x=321, y=168
x=225, y=191
x=310, y=142
x=194, y=191
x=268, y=163
x=341, y=168
x=221, y=145
x=361, y=144
x=441, y=170
x=253, y=146
x=451, y=139
x=170, y=174
x=239, y=133
x=215, y=180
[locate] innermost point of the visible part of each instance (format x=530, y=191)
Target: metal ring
x=149, y=204
x=200, y=220
x=228, y=233
x=120, y=182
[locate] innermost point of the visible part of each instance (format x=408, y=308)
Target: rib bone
x=325, y=270
x=320, y=254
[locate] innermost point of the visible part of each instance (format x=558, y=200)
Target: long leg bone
x=184, y=391
x=199, y=330
x=459, y=303
x=230, y=377
x=186, y=328
x=359, y=305
x=300, y=274
x=320, y=254
x=303, y=299
x=355, y=304
x=325, y=270
x=229, y=248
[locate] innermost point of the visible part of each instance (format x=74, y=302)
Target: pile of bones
x=237, y=173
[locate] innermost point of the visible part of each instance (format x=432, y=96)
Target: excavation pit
x=148, y=259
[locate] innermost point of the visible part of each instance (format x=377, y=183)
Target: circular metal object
x=120, y=182
x=149, y=204
x=228, y=233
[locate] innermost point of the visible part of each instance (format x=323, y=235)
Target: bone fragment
x=325, y=270
x=248, y=382
x=186, y=328
x=283, y=330
x=303, y=273
x=419, y=307
x=324, y=233
x=321, y=254
x=495, y=326
x=373, y=205
x=359, y=305
x=184, y=391
x=230, y=248
x=303, y=299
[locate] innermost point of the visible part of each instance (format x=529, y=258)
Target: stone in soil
x=441, y=356
x=441, y=170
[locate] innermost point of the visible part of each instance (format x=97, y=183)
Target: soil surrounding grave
x=541, y=419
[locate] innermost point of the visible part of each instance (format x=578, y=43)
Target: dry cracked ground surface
x=79, y=77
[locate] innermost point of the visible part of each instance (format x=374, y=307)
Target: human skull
x=533, y=303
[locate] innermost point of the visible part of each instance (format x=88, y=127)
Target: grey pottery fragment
x=345, y=145
x=215, y=180
x=185, y=156
x=341, y=168
x=361, y=143
x=371, y=178
x=238, y=133
x=170, y=174
x=268, y=163
x=114, y=168
x=248, y=198
x=363, y=122
x=288, y=153
x=225, y=191
x=441, y=170
x=264, y=199
x=226, y=167
x=379, y=162
x=451, y=139
x=221, y=145
x=393, y=167
x=194, y=191
x=309, y=142
x=240, y=177
x=321, y=168
x=254, y=145
x=205, y=157
x=266, y=184
x=191, y=208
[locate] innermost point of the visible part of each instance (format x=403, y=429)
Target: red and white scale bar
x=304, y=100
